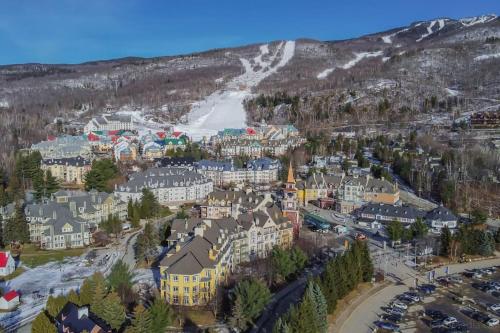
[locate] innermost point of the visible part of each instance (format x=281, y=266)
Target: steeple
x=290, y=179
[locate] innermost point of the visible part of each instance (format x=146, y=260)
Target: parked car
x=386, y=325
x=427, y=288
x=455, y=279
x=492, y=322
x=448, y=321
x=396, y=311
x=435, y=314
x=400, y=305
x=494, y=307
x=391, y=317
x=413, y=296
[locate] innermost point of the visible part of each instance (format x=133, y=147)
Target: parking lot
x=458, y=303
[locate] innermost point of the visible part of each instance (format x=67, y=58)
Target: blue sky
x=71, y=31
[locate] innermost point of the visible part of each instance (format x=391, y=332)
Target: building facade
x=70, y=170
x=289, y=203
x=170, y=185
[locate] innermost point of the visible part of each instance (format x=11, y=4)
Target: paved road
x=281, y=303
x=362, y=318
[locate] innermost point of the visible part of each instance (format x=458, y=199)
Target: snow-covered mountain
x=405, y=65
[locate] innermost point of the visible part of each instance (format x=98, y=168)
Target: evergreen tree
x=51, y=184
x=88, y=287
x=252, y=296
x=366, y=263
x=136, y=215
x=446, y=239
x=149, y=204
x=42, y=324
x=141, y=321
x=55, y=305
x=485, y=243
x=73, y=297
x=130, y=208
x=17, y=229
x=147, y=243
x=320, y=307
x=282, y=264
x=99, y=176
x=112, y=311
x=329, y=287
x=162, y=315
x=302, y=319
x=239, y=319
x=298, y=257
x=120, y=275
x=395, y=231
x=281, y=326
x=98, y=294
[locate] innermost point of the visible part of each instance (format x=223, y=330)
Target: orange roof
x=290, y=178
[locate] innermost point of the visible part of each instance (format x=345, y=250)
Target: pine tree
x=320, y=307
x=366, y=263
x=141, y=321
x=162, y=315
x=302, y=318
x=73, y=297
x=51, y=184
x=253, y=297
x=55, y=305
x=130, y=208
x=16, y=228
x=87, y=290
x=112, y=311
x=446, y=239
x=120, y=275
x=98, y=294
x=42, y=324
x=329, y=287
x=239, y=319
x=281, y=326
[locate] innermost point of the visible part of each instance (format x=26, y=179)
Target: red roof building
x=10, y=295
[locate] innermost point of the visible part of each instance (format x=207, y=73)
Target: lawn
x=32, y=256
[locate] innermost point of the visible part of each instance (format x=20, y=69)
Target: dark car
x=427, y=288
x=387, y=326
x=435, y=314
x=391, y=317
x=436, y=323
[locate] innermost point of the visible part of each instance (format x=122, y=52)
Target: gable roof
x=80, y=319
x=11, y=295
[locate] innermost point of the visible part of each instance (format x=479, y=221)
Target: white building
x=170, y=185
x=9, y=301
x=110, y=122
x=259, y=171
x=7, y=264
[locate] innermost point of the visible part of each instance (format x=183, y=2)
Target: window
x=175, y=278
x=195, y=278
x=176, y=299
x=175, y=289
x=186, y=290
x=186, y=300
x=186, y=278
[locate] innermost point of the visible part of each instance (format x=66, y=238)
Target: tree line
x=112, y=300
x=341, y=275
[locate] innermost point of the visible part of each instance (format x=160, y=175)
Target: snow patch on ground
x=4, y=103
x=385, y=59
x=382, y=84
x=487, y=56
x=452, y=92
x=388, y=38
x=224, y=108
x=36, y=284
x=470, y=21
x=441, y=23
x=357, y=58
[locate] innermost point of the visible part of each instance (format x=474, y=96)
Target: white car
x=494, y=307
x=449, y=321
x=401, y=305
x=492, y=322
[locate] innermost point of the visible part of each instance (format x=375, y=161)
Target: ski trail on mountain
x=224, y=108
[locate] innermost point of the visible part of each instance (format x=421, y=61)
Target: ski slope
x=224, y=108
x=351, y=63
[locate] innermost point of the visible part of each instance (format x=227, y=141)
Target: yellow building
x=204, y=252
x=317, y=186
x=70, y=170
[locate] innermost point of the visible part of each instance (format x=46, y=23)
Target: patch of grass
x=31, y=256
x=16, y=273
x=199, y=317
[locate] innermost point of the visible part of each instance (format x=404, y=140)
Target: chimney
x=72, y=208
x=83, y=311
x=54, y=215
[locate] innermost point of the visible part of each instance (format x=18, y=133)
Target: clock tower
x=289, y=202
